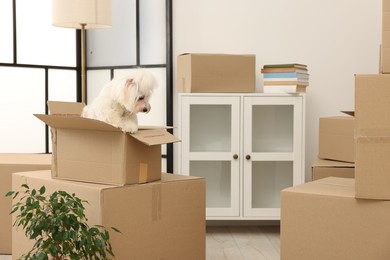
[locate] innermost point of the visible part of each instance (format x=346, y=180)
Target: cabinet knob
x=235, y=157
x=248, y=157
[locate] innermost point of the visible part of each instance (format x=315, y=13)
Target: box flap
x=75, y=122
x=350, y=113
x=65, y=108
x=155, y=137
x=331, y=163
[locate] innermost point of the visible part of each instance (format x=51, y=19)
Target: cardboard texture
x=385, y=46
x=372, y=136
x=10, y=163
x=93, y=151
x=158, y=220
x=323, y=220
x=336, y=138
x=327, y=168
x=216, y=73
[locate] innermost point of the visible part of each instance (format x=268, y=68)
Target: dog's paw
x=130, y=130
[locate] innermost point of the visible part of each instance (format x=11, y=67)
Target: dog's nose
x=145, y=109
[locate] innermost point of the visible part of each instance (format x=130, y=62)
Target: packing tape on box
x=373, y=139
x=372, y=135
x=143, y=173
x=157, y=202
x=54, y=151
x=372, y=132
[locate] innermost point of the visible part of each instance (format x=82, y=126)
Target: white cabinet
x=248, y=147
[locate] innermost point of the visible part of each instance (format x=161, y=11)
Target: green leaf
x=9, y=193
x=42, y=190
x=25, y=186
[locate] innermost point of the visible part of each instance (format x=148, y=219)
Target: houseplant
x=59, y=226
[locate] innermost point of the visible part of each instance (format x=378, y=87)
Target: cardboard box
x=323, y=220
x=93, y=151
x=336, y=138
x=158, y=220
x=372, y=128
x=385, y=46
x=327, y=168
x=10, y=163
x=216, y=73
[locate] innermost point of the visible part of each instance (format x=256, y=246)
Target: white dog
x=121, y=99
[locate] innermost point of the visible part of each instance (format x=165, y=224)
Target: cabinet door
x=273, y=152
x=210, y=141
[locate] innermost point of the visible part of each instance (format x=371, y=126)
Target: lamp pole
x=83, y=76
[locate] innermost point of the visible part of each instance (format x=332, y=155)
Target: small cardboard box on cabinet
x=328, y=168
x=10, y=163
x=158, y=220
x=216, y=73
x=336, y=138
x=372, y=136
x=323, y=220
x=93, y=151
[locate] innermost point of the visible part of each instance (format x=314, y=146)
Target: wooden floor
x=238, y=243
x=243, y=243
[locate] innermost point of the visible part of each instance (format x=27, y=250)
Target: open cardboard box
x=93, y=151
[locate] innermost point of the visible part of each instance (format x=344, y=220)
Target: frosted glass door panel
x=268, y=179
x=38, y=41
x=115, y=46
x=153, y=33
x=272, y=128
x=22, y=96
x=210, y=128
x=218, y=181
x=6, y=42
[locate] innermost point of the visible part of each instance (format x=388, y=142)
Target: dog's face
x=142, y=103
x=134, y=92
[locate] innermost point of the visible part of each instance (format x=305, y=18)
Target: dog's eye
x=141, y=98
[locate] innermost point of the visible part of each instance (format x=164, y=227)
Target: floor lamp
x=82, y=14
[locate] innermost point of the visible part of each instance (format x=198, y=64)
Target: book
x=286, y=75
x=283, y=83
x=286, y=79
x=288, y=65
x=292, y=69
x=284, y=89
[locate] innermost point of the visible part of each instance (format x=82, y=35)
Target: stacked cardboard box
x=160, y=216
x=10, y=163
x=159, y=220
x=336, y=148
x=340, y=218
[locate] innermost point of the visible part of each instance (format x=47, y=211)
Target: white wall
x=336, y=39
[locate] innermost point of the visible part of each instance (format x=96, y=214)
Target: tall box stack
x=385, y=47
x=340, y=218
x=159, y=215
x=372, y=136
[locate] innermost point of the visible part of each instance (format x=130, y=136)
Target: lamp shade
x=74, y=13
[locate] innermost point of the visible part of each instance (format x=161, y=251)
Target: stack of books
x=285, y=78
